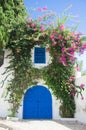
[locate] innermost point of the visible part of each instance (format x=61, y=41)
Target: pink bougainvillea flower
x=73, y=34
x=52, y=36
x=62, y=27
x=67, y=83
x=40, y=18
x=55, y=33
x=72, y=85
x=72, y=92
x=28, y=26
x=80, y=33
x=71, y=78
x=29, y=20
x=77, y=37
x=42, y=9
x=42, y=28
x=73, y=45
x=35, y=29
x=72, y=58
x=77, y=68
x=71, y=51
x=53, y=44
x=60, y=37
x=82, y=98
x=83, y=47
x=63, y=60
x=63, y=45
x=45, y=8
x=33, y=25
x=39, y=9
x=82, y=86
x=63, y=49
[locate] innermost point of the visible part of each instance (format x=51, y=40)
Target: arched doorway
x=37, y=103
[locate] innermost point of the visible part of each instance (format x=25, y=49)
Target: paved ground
x=2, y=128
x=41, y=125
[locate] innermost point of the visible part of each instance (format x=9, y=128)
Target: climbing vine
x=59, y=75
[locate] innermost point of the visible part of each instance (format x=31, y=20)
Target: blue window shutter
x=39, y=55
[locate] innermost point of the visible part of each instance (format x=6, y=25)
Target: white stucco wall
x=81, y=104
x=4, y=105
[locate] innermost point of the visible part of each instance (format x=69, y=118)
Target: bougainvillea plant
x=59, y=75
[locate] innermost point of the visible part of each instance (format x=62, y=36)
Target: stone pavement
x=2, y=128
x=42, y=125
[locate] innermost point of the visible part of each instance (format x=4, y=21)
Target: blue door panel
x=44, y=111
x=29, y=111
x=37, y=103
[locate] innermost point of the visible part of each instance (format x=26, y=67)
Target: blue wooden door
x=37, y=103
